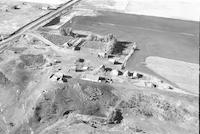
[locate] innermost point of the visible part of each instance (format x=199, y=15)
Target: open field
x=176, y=9
x=13, y=19
x=50, y=2
x=184, y=74
x=168, y=38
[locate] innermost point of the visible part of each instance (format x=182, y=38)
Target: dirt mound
x=153, y=106
x=31, y=60
x=115, y=117
x=84, y=97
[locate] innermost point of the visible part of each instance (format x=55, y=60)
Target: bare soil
x=41, y=91
x=12, y=19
